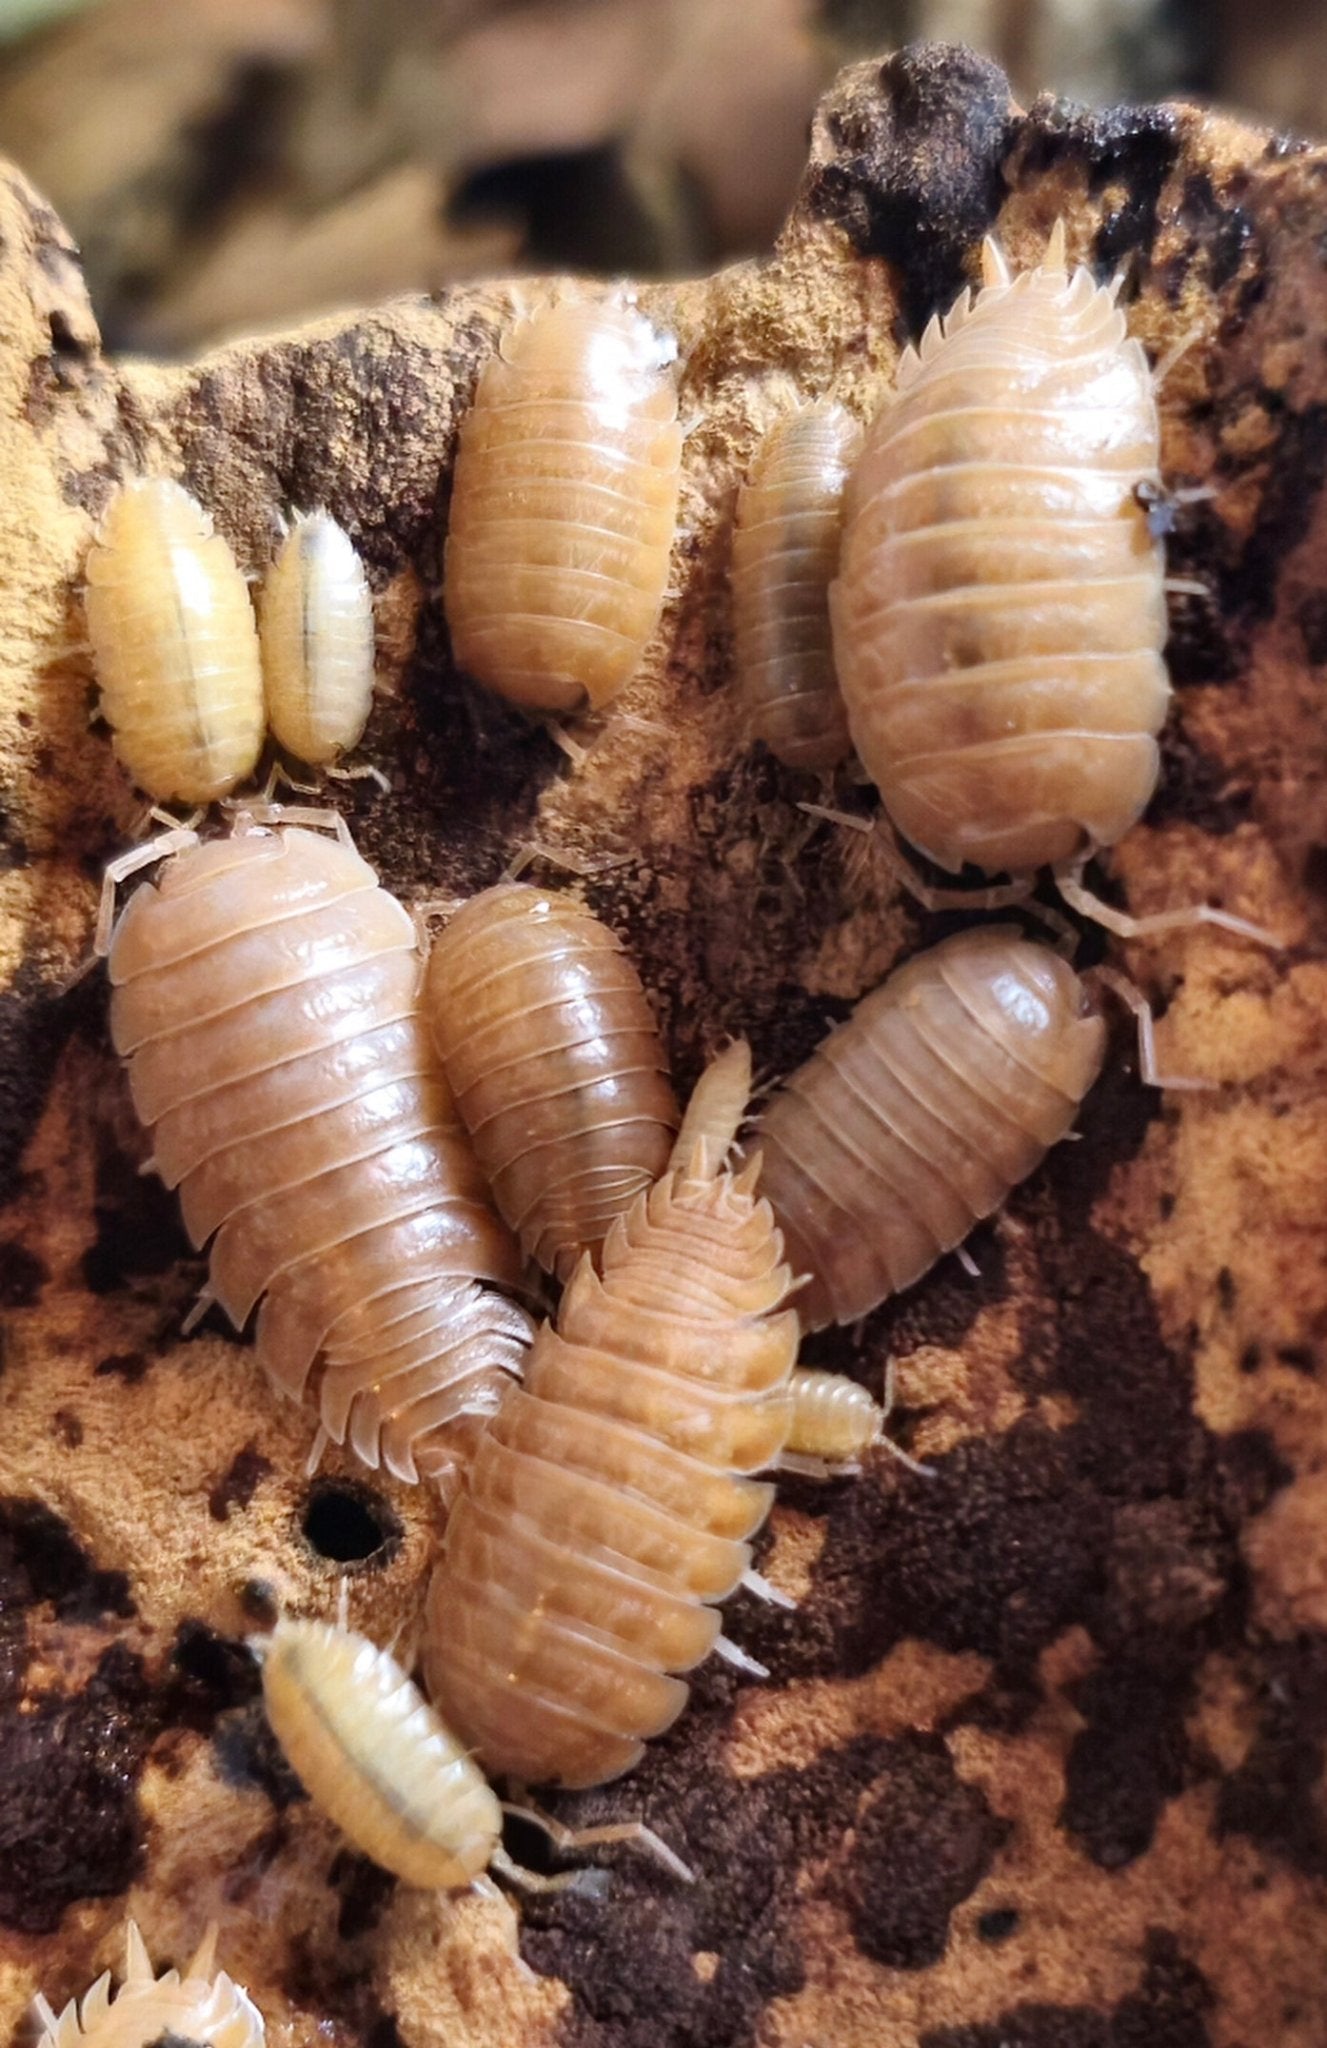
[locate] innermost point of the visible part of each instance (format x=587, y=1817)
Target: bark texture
x=1040, y=1761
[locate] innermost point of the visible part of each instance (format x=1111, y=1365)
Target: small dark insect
x=564, y=506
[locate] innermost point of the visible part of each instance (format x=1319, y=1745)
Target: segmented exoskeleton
x=316, y=630
x=563, y=506
x=917, y=1116
x=266, y=996
x=195, y=2005
x=551, y=1049
x=606, y=1507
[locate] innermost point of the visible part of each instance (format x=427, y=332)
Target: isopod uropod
x=563, y=507
x=919, y=1114
x=785, y=553
x=193, y=2006
x=552, y=1052
x=174, y=645
x=372, y=1753
x=316, y=628
x=1000, y=613
x=605, y=1508
x=266, y=996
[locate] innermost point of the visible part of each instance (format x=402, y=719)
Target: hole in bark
x=350, y=1524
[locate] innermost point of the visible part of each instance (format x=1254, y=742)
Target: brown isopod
x=563, y=507
x=553, y=1055
x=785, y=554
x=316, y=630
x=372, y=1753
x=195, y=2005
x=266, y=997
x=920, y=1113
x=606, y=1508
x=174, y=645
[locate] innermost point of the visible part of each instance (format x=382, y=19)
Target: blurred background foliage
x=235, y=164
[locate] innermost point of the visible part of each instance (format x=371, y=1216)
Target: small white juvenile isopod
x=374, y=1756
x=316, y=627
x=174, y=645
x=192, y=2006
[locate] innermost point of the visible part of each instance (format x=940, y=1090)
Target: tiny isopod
x=374, y=1756
x=174, y=645
x=316, y=630
x=564, y=505
x=194, y=2006
x=266, y=996
x=607, y=1507
x=1000, y=610
x=553, y=1054
x=918, y=1115
x=785, y=553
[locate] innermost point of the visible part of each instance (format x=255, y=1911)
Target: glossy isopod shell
x=316, y=630
x=1000, y=613
x=552, y=1052
x=608, y=1505
x=174, y=645
x=196, y=2006
x=370, y=1751
x=266, y=997
x=833, y=1417
x=563, y=507
x=785, y=555
x=919, y=1114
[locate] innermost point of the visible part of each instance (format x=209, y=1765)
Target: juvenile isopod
x=174, y=645
x=266, y=997
x=372, y=1753
x=196, y=2006
x=316, y=629
x=607, y=1508
x=553, y=1054
x=785, y=553
x=563, y=507
x=920, y=1113
x=1000, y=613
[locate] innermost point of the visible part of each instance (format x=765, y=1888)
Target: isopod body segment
x=608, y=1505
x=999, y=613
x=552, y=1052
x=785, y=554
x=563, y=507
x=266, y=997
x=920, y=1113
x=316, y=627
x=197, y=2005
x=174, y=645
x=370, y=1751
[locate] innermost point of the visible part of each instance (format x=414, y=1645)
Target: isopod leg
x=120, y=869
x=883, y=1438
x=594, y=1882
x=363, y=771
x=319, y=815
x=563, y=1837
x=1133, y=999
x=1069, y=882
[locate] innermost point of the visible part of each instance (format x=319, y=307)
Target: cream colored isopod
x=174, y=645
x=316, y=625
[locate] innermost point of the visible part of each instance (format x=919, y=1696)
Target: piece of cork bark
x=1040, y=1759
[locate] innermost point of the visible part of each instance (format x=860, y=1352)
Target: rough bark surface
x=1040, y=1761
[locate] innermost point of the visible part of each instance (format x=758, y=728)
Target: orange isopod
x=606, y=1507
x=1000, y=611
x=266, y=996
x=563, y=507
x=920, y=1113
x=785, y=553
x=174, y=645
x=552, y=1052
x=316, y=628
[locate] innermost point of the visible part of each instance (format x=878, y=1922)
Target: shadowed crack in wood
x=1073, y=1688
